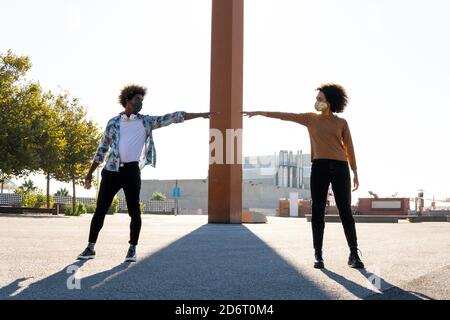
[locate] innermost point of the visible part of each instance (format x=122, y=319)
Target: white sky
x=391, y=55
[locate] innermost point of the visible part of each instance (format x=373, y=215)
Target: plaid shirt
x=111, y=136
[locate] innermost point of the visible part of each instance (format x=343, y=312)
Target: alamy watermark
x=226, y=148
x=74, y=280
x=373, y=278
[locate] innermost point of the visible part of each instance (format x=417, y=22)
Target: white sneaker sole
x=130, y=260
x=85, y=257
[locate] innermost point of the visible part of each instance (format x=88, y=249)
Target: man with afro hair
x=127, y=146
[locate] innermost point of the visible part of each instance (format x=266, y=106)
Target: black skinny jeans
x=128, y=178
x=324, y=172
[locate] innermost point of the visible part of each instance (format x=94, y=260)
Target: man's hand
x=355, y=181
x=206, y=115
x=88, y=181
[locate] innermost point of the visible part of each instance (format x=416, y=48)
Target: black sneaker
x=87, y=254
x=318, y=264
x=354, y=261
x=131, y=255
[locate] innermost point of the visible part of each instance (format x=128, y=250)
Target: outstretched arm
x=167, y=119
x=176, y=117
x=207, y=115
x=302, y=118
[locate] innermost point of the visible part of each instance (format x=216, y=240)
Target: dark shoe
x=87, y=254
x=131, y=255
x=354, y=261
x=318, y=264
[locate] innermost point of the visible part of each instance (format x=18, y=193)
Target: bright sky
x=391, y=55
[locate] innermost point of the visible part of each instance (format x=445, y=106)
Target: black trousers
x=128, y=178
x=324, y=172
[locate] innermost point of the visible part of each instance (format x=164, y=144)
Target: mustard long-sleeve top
x=329, y=135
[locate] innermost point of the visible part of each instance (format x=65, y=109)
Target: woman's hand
x=252, y=113
x=355, y=181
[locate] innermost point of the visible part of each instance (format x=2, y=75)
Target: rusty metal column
x=227, y=41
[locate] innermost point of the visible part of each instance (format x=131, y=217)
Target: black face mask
x=137, y=106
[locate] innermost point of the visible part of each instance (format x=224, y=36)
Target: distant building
x=266, y=179
x=284, y=169
x=7, y=186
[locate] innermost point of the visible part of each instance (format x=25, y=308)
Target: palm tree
x=62, y=192
x=27, y=186
x=25, y=190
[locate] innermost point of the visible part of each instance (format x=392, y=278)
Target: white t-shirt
x=132, y=139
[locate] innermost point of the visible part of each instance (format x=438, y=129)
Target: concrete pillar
x=225, y=180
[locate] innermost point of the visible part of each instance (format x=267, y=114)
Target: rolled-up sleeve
x=103, y=146
x=348, y=145
x=165, y=120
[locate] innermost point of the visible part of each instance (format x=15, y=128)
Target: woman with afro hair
x=331, y=154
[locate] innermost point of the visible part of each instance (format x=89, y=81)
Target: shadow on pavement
x=380, y=287
x=11, y=288
x=213, y=262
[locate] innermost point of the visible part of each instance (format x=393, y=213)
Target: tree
x=40, y=131
x=81, y=138
x=27, y=186
x=29, y=193
x=31, y=137
x=20, y=104
x=62, y=192
x=49, y=140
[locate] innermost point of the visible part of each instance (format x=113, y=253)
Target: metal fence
x=168, y=205
x=151, y=206
x=68, y=200
x=9, y=199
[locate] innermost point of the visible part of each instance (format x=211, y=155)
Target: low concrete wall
x=22, y=210
x=194, y=193
x=360, y=219
x=415, y=219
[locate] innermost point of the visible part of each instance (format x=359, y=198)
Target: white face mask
x=320, y=106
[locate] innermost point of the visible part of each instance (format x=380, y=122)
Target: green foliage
x=37, y=200
x=71, y=212
x=22, y=104
x=24, y=195
x=32, y=197
x=12, y=67
x=79, y=210
x=41, y=131
x=62, y=192
x=81, y=141
x=27, y=186
x=90, y=208
x=157, y=196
